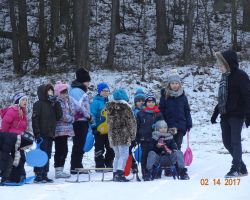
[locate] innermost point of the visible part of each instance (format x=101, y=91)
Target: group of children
x=65, y=111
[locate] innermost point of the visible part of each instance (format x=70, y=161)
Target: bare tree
x=15, y=46
x=113, y=31
x=188, y=30
x=23, y=31
x=55, y=21
x=161, y=28
x=81, y=17
x=246, y=15
x=65, y=11
x=42, y=39
x=219, y=5
x=234, y=41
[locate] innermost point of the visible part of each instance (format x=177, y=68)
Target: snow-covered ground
x=211, y=160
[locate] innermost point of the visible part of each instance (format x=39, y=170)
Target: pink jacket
x=14, y=120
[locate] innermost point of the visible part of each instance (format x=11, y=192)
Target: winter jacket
x=64, y=127
x=176, y=112
x=238, y=101
x=97, y=106
x=146, y=120
x=78, y=93
x=170, y=143
x=121, y=123
x=45, y=114
x=14, y=120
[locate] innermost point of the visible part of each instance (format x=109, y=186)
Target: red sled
x=128, y=166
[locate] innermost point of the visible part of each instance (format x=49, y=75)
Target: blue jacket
x=176, y=112
x=81, y=100
x=96, y=108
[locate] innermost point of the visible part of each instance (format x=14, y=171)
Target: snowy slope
x=211, y=160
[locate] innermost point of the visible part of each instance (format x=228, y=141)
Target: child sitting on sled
x=165, y=153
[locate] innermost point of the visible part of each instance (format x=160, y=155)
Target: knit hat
x=174, y=77
x=27, y=139
x=101, y=87
x=139, y=95
x=227, y=58
x=150, y=97
x=59, y=87
x=18, y=97
x=160, y=124
x=82, y=75
x=120, y=94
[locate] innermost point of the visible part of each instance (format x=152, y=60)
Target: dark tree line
x=71, y=20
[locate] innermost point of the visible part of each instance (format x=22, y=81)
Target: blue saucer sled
x=37, y=157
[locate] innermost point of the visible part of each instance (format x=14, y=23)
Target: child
x=139, y=100
x=122, y=131
x=164, y=151
x=100, y=128
x=46, y=112
x=146, y=120
x=64, y=128
x=175, y=108
x=11, y=161
x=14, y=120
x=78, y=92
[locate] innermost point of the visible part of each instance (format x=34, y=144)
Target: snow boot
x=38, y=178
x=46, y=179
x=234, y=172
x=243, y=169
x=119, y=176
x=183, y=174
x=60, y=174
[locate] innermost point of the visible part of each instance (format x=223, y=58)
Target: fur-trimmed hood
x=228, y=58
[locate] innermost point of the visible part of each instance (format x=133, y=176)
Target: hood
x=76, y=84
x=229, y=59
x=42, y=91
x=117, y=105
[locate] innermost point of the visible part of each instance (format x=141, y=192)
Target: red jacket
x=14, y=120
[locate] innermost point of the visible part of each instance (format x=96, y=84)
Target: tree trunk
x=161, y=28
x=64, y=12
x=246, y=15
x=55, y=21
x=234, y=25
x=219, y=5
x=111, y=48
x=188, y=32
x=23, y=31
x=42, y=40
x=15, y=46
x=118, y=19
x=81, y=32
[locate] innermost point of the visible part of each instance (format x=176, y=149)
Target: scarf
x=175, y=94
x=155, y=109
x=223, y=93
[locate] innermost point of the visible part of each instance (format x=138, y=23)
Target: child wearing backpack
x=164, y=152
x=100, y=128
x=146, y=120
x=64, y=128
x=46, y=112
x=122, y=131
x=175, y=108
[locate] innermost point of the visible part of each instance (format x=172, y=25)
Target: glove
x=215, y=115
x=247, y=122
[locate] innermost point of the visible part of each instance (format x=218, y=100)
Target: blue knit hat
x=139, y=95
x=120, y=94
x=102, y=86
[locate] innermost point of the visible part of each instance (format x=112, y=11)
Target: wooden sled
x=89, y=171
